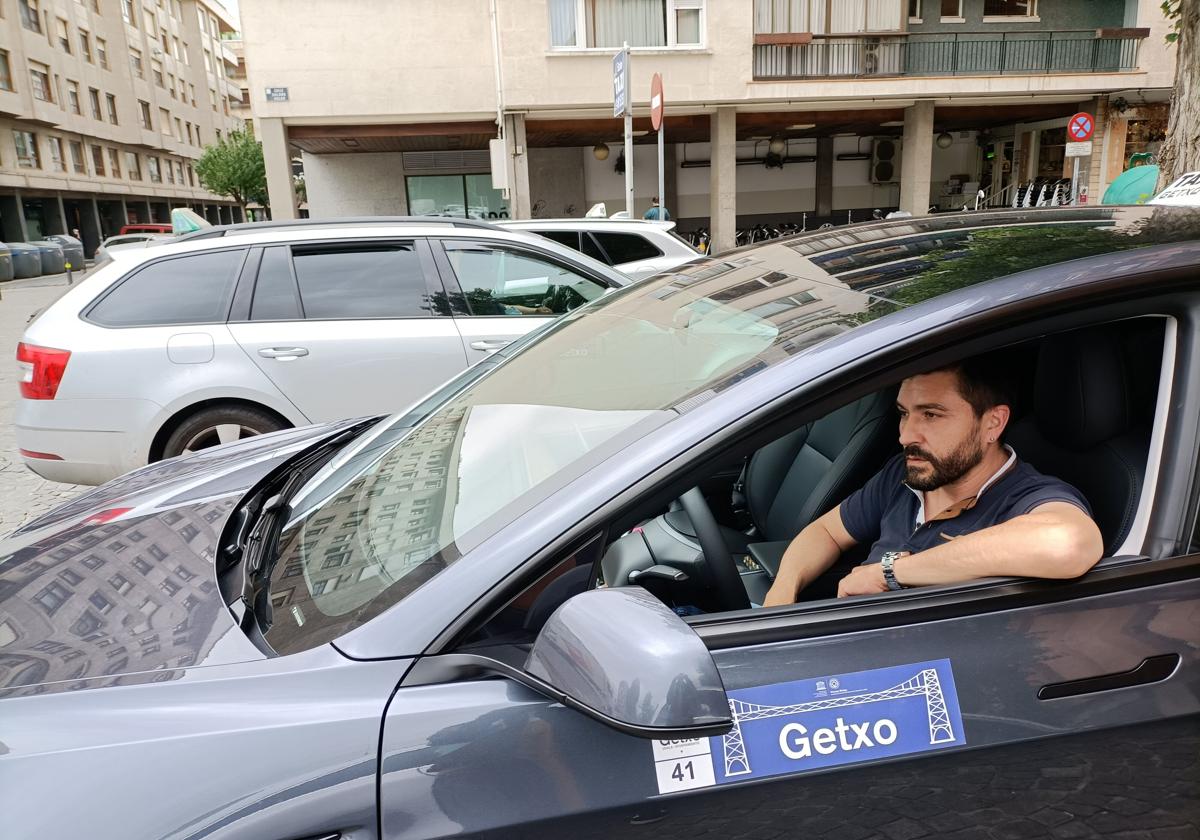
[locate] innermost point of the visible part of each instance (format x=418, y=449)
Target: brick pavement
x=23, y=495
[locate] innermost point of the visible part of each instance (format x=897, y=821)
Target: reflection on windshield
x=392, y=513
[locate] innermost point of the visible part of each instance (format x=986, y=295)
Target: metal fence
x=948, y=55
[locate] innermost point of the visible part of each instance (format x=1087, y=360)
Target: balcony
x=808, y=56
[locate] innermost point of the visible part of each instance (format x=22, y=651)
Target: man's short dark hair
x=984, y=381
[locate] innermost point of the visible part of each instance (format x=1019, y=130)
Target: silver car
x=237, y=331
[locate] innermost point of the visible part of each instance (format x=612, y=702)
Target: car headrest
x=1081, y=397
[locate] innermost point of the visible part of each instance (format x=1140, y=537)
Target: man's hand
x=864, y=580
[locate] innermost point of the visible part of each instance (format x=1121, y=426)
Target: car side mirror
x=621, y=657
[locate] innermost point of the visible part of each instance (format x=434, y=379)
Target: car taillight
x=41, y=370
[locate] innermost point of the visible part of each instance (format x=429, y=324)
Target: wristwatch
x=887, y=563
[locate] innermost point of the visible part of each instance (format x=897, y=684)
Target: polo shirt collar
x=969, y=502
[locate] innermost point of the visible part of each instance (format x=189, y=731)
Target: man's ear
x=995, y=421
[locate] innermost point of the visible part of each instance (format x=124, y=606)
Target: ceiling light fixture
x=801, y=126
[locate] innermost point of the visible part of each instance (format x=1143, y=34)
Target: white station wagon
x=245, y=329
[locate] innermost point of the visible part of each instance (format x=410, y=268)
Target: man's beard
x=943, y=471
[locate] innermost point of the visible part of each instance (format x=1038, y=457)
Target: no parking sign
x=1080, y=127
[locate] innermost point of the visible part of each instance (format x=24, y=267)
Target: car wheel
x=218, y=425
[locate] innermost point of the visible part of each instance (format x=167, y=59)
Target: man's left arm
x=1054, y=540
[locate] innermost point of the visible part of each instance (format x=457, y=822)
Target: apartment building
x=803, y=111
x=105, y=105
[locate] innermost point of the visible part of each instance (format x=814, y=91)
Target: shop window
x=470, y=196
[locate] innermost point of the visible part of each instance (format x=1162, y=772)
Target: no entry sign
x=656, y=102
x=1080, y=127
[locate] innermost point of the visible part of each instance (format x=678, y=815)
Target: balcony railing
x=938, y=54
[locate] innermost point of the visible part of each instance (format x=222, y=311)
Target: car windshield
x=407, y=501
x=424, y=489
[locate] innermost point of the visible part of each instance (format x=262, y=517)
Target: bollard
x=68, y=265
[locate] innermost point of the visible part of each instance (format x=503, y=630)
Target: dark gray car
x=467, y=619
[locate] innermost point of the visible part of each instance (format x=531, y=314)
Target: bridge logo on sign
x=809, y=724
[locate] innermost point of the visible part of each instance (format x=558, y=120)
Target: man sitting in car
x=955, y=505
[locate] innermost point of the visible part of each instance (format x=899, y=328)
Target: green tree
x=234, y=167
x=1180, y=152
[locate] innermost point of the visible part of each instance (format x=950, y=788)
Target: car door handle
x=1153, y=669
x=283, y=353
x=491, y=344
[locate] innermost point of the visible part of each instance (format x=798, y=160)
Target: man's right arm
x=811, y=553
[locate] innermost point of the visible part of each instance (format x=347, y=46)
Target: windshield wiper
x=256, y=536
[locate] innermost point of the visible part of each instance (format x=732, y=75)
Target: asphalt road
x=23, y=495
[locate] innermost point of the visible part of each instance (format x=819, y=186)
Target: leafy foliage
x=234, y=167
x=1171, y=9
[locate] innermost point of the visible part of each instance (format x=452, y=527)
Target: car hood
x=118, y=585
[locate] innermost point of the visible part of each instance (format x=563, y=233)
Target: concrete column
x=12, y=219
x=282, y=194
x=824, y=177
x=124, y=220
x=56, y=217
x=518, y=166
x=671, y=178
x=916, y=167
x=89, y=226
x=147, y=212
x=722, y=180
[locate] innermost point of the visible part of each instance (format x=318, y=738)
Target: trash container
x=72, y=250
x=26, y=259
x=6, y=266
x=53, y=260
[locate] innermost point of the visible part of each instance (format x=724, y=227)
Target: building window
x=73, y=97
x=170, y=171
x=153, y=170
x=52, y=597
x=39, y=76
x=212, y=97
x=135, y=61
x=102, y=52
x=156, y=70
x=127, y=13
x=64, y=35
x=114, y=162
x=164, y=121
x=914, y=10
x=6, y=82
x=1009, y=8
x=57, y=164
x=132, y=167
x=179, y=173
x=171, y=84
x=952, y=9
x=98, y=166
x=176, y=52
x=94, y=97
x=145, y=112
x=188, y=532
x=112, y=108
x=27, y=150
x=178, y=129
x=30, y=16
x=192, y=92
x=77, y=162
x=100, y=602
x=643, y=23
x=85, y=46
x=208, y=61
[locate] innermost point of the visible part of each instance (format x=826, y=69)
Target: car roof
x=585, y=223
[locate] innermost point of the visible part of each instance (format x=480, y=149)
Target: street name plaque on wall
x=278, y=94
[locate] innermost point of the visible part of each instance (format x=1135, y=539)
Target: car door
x=350, y=328
x=1018, y=713
x=500, y=292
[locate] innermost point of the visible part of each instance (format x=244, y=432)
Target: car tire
x=220, y=424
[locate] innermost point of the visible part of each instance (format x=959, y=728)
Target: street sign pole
x=1075, y=183
x=628, y=135
x=656, y=122
x=1079, y=130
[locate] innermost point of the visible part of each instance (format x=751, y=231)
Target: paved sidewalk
x=23, y=495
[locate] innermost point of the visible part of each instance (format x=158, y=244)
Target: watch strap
x=888, y=563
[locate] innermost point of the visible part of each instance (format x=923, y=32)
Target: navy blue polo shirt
x=889, y=515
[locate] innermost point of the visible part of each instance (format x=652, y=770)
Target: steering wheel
x=731, y=593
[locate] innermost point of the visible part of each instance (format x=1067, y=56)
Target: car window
x=499, y=281
x=193, y=289
x=592, y=249
x=570, y=238
x=275, y=290
x=361, y=281
x=627, y=247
